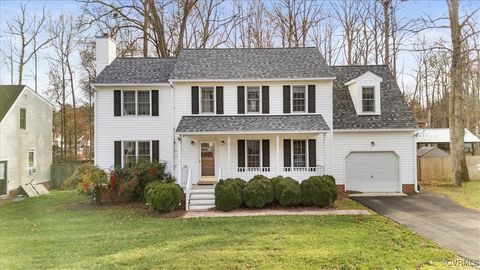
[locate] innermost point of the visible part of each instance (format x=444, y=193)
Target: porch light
x=372, y=143
x=222, y=142
x=192, y=142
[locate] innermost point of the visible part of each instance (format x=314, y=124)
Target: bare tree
x=27, y=29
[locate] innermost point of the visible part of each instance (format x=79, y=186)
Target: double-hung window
x=129, y=103
x=253, y=99
x=207, y=99
x=31, y=159
x=23, y=118
x=368, y=99
x=143, y=103
x=299, y=98
x=253, y=153
x=299, y=153
x=136, y=151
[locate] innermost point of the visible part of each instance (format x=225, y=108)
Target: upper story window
x=207, y=100
x=143, y=102
x=253, y=99
x=23, y=118
x=298, y=98
x=136, y=102
x=368, y=99
x=129, y=103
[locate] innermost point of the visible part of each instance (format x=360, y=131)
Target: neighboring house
x=25, y=138
x=431, y=152
x=440, y=137
x=212, y=114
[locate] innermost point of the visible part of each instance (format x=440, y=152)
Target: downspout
x=415, y=161
x=172, y=97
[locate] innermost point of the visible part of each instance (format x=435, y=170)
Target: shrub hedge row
x=260, y=191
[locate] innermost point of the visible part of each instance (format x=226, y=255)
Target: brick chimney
x=106, y=51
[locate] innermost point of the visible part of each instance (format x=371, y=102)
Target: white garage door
x=372, y=172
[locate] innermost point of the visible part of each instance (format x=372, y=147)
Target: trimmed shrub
x=228, y=194
x=145, y=172
x=287, y=191
x=258, y=192
x=318, y=191
x=164, y=197
x=329, y=178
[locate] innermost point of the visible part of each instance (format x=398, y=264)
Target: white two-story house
x=212, y=114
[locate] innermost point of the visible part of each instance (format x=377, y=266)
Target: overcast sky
x=409, y=10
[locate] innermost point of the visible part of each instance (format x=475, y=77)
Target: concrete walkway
x=255, y=213
x=435, y=217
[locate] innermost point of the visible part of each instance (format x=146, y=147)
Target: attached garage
x=372, y=172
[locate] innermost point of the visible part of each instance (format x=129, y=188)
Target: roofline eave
x=254, y=80
x=251, y=132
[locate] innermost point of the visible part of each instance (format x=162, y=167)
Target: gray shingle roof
x=224, y=123
x=8, y=96
x=395, y=113
x=250, y=63
x=136, y=70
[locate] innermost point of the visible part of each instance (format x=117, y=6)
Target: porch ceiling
x=232, y=124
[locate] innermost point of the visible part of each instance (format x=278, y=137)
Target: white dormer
x=365, y=93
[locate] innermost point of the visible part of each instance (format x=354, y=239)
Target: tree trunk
x=386, y=6
x=456, y=121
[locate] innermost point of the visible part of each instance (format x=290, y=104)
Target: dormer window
x=368, y=99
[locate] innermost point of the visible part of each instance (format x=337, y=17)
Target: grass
x=62, y=231
x=468, y=195
x=348, y=204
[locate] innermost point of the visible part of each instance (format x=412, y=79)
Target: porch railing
x=298, y=173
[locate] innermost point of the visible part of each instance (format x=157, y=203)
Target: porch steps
x=202, y=197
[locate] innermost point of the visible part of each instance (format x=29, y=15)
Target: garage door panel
x=372, y=172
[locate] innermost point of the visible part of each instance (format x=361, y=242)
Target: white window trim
x=291, y=99
x=32, y=150
x=261, y=153
x=260, y=103
x=20, y=118
x=214, y=100
x=136, y=103
x=375, y=110
x=136, y=149
x=307, y=153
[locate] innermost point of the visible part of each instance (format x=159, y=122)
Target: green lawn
x=468, y=195
x=59, y=231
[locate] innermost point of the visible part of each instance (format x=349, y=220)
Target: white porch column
x=277, y=138
x=229, y=168
x=180, y=161
x=324, y=152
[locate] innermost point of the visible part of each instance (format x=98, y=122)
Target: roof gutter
x=252, y=132
x=374, y=130
x=131, y=84
x=253, y=80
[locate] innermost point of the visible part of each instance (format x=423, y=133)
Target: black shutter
x=311, y=98
x=286, y=99
x=155, y=150
x=287, y=153
x=241, y=99
x=195, y=100
x=241, y=153
x=312, y=153
x=265, y=99
x=154, y=102
x=118, y=154
x=117, y=103
x=219, y=99
x=266, y=153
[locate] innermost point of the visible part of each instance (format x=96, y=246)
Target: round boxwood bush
x=287, y=191
x=228, y=194
x=329, y=178
x=164, y=197
x=318, y=191
x=258, y=192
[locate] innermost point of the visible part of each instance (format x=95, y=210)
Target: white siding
x=110, y=128
x=183, y=103
x=401, y=143
x=15, y=142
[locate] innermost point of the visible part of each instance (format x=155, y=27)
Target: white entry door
x=372, y=172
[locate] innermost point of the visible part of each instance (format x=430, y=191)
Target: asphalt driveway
x=435, y=217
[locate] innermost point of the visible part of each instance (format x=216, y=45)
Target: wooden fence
x=62, y=171
x=440, y=169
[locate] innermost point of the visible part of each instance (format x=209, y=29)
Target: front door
x=3, y=177
x=207, y=159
